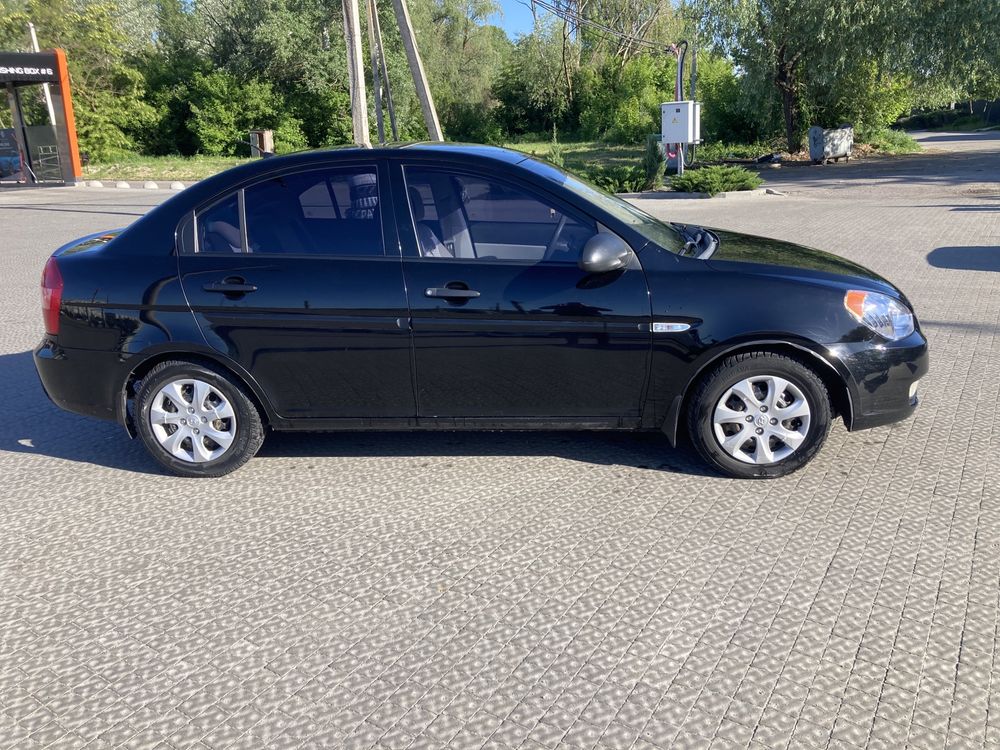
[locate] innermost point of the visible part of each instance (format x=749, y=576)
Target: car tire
x=189, y=438
x=759, y=415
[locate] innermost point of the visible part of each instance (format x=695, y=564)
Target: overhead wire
x=568, y=14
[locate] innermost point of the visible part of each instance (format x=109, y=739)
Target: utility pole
x=376, y=77
x=385, y=71
x=45, y=86
x=417, y=70
x=356, y=73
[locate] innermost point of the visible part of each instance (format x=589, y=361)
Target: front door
x=505, y=324
x=290, y=278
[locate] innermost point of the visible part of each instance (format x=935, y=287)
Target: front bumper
x=882, y=378
x=78, y=380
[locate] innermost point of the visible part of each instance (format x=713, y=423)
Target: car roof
x=261, y=167
x=424, y=148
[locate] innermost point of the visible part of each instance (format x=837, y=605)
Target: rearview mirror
x=604, y=252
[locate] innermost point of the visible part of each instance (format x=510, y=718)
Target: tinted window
x=323, y=212
x=649, y=227
x=219, y=227
x=466, y=217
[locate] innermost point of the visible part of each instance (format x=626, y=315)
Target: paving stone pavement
x=504, y=590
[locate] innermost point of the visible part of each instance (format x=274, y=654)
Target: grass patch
x=716, y=179
x=584, y=156
x=185, y=168
x=892, y=142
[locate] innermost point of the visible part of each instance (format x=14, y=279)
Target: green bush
x=224, y=110
x=888, y=141
x=654, y=163
x=621, y=103
x=731, y=110
x=620, y=179
x=719, y=151
x=862, y=96
x=556, y=150
x=288, y=136
x=717, y=179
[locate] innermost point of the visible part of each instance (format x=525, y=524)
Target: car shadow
x=34, y=425
x=966, y=258
x=640, y=450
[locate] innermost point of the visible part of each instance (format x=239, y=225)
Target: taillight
x=52, y=289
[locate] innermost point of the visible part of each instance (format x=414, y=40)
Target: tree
x=808, y=49
x=463, y=55
x=107, y=91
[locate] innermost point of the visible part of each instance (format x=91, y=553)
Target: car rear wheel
x=759, y=415
x=196, y=421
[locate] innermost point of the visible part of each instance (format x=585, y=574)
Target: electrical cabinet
x=681, y=122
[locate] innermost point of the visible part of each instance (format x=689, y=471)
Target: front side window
x=474, y=218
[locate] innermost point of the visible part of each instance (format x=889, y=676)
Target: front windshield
x=654, y=230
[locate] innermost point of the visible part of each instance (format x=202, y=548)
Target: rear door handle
x=230, y=286
x=447, y=293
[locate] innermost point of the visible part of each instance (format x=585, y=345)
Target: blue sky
x=516, y=18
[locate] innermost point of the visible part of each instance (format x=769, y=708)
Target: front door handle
x=448, y=293
x=231, y=285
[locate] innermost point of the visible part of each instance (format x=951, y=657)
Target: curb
x=672, y=195
x=122, y=185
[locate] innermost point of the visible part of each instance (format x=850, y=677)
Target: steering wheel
x=550, y=249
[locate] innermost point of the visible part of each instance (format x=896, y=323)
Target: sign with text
x=28, y=67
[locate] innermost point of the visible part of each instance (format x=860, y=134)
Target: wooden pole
x=376, y=78
x=356, y=73
x=417, y=70
x=385, y=71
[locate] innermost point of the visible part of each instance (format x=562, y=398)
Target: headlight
x=888, y=317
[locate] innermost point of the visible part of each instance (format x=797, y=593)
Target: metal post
x=20, y=136
x=694, y=83
x=679, y=96
x=417, y=70
x=45, y=86
x=359, y=99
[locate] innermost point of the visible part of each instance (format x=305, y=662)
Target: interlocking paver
x=536, y=590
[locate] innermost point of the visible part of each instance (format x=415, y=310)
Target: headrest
x=364, y=195
x=416, y=204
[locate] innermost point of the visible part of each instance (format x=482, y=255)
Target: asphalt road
x=534, y=590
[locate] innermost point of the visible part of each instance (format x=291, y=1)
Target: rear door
x=290, y=277
x=505, y=324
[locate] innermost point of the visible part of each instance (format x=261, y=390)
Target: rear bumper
x=83, y=382
x=883, y=378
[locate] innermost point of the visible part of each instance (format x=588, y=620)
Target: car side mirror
x=604, y=252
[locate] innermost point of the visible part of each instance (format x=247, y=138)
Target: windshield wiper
x=698, y=241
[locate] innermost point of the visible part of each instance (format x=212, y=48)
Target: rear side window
x=323, y=212
x=219, y=227
x=320, y=212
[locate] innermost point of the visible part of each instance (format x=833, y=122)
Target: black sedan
x=462, y=287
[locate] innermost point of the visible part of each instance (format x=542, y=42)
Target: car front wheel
x=759, y=415
x=196, y=421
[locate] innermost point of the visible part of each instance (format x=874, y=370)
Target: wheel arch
x=137, y=371
x=834, y=380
